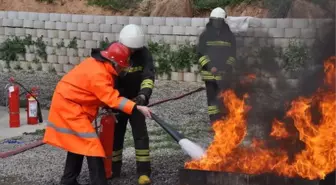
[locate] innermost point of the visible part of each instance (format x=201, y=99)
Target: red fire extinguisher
x=14, y=104
x=32, y=112
x=106, y=135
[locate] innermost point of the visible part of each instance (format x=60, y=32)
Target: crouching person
x=75, y=104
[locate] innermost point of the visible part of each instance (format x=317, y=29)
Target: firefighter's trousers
x=212, y=92
x=216, y=108
x=73, y=167
x=141, y=143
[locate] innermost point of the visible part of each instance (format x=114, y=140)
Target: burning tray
x=201, y=177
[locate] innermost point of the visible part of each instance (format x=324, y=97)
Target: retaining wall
x=91, y=30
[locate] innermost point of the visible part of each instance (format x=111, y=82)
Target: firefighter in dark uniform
x=217, y=56
x=137, y=84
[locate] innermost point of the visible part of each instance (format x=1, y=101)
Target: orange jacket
x=75, y=104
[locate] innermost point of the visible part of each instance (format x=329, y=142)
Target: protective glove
x=140, y=100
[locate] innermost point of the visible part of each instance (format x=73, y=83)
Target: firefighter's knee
x=117, y=155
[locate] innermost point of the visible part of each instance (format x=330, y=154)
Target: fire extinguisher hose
x=39, y=143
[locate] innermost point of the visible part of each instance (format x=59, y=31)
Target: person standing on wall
x=136, y=83
x=217, y=55
x=75, y=104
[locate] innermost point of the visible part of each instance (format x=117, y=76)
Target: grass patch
x=115, y=4
x=46, y=1
x=211, y=4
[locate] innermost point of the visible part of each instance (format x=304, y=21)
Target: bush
x=104, y=43
x=14, y=47
x=211, y=4
x=296, y=56
x=115, y=4
x=10, y=49
x=46, y=1
x=168, y=60
x=184, y=57
x=163, y=56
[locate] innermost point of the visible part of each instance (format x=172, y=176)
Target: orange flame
x=315, y=161
x=279, y=130
x=249, y=78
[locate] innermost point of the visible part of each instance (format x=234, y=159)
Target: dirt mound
x=167, y=8
x=63, y=6
x=307, y=9
x=173, y=8
x=254, y=10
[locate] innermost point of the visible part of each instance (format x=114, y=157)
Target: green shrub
x=104, y=43
x=41, y=48
x=163, y=56
x=115, y=4
x=46, y=1
x=10, y=49
x=295, y=56
x=184, y=57
x=73, y=43
x=13, y=47
x=60, y=44
x=211, y=4
x=168, y=60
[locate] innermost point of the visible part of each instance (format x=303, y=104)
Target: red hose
x=177, y=97
x=21, y=149
x=39, y=143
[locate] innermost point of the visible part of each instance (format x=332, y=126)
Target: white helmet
x=218, y=13
x=132, y=36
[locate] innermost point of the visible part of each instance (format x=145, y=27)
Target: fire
x=313, y=162
x=249, y=78
x=279, y=130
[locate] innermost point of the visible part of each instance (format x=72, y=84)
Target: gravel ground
x=12, y=143
x=44, y=165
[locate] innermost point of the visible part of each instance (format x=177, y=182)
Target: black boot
x=116, y=170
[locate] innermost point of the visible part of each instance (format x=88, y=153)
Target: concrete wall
x=91, y=30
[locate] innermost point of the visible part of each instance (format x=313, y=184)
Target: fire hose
x=40, y=142
x=189, y=147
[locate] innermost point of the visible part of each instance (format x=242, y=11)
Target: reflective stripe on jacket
x=75, y=104
x=207, y=75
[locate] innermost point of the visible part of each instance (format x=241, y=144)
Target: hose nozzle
x=173, y=133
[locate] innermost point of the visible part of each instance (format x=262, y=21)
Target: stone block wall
x=59, y=30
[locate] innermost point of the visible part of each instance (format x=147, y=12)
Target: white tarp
x=238, y=24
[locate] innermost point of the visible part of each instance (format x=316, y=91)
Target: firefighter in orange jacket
x=75, y=104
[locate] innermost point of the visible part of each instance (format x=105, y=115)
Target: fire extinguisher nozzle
x=173, y=133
